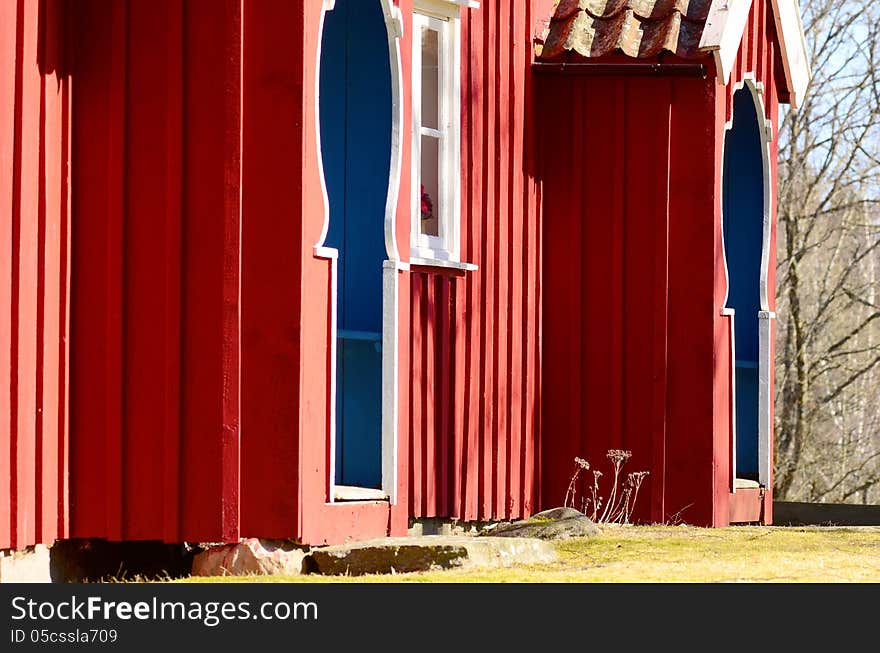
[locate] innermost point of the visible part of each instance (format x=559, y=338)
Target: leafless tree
x=828, y=338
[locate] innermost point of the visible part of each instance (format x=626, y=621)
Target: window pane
x=430, y=186
x=430, y=78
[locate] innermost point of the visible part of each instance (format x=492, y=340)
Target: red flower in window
x=427, y=205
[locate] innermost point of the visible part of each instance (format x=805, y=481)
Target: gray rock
x=250, y=556
x=553, y=524
x=559, y=513
x=409, y=554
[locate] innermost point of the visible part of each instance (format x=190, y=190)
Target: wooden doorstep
x=750, y=505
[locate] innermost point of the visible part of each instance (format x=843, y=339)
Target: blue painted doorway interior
x=355, y=114
x=743, y=198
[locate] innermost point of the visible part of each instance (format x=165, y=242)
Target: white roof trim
x=794, y=49
x=723, y=33
x=725, y=26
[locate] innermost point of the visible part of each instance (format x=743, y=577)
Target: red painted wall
x=199, y=303
x=476, y=356
x=200, y=310
x=35, y=89
x=156, y=303
x=636, y=352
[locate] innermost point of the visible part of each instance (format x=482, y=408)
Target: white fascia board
x=723, y=33
x=796, y=63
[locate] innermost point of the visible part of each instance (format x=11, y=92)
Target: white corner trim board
x=725, y=26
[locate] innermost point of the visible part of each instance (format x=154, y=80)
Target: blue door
x=743, y=243
x=355, y=113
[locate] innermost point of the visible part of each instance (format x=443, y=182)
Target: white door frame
x=391, y=268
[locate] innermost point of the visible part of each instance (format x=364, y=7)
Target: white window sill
x=469, y=4
x=439, y=263
x=349, y=493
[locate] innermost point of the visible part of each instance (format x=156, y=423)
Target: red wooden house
x=313, y=270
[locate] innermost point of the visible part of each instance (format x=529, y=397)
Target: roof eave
x=724, y=31
x=725, y=26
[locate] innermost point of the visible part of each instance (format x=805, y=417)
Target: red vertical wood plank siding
x=530, y=383
x=645, y=242
x=34, y=219
x=642, y=123
x=487, y=262
x=638, y=126
x=476, y=348
x=172, y=245
x=64, y=305
x=113, y=271
x=516, y=269
x=416, y=470
x=270, y=234
x=501, y=96
x=693, y=210
x=95, y=375
x=603, y=188
x=472, y=125
x=609, y=399
x=25, y=258
x=653, y=488
x=144, y=295
x=9, y=62
x=554, y=165
x=65, y=289
x=230, y=462
x=212, y=178
x=459, y=416
x=432, y=390
x=445, y=419
x=571, y=268
x=156, y=258
x=52, y=215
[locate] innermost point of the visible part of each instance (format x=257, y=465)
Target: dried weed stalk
x=618, y=509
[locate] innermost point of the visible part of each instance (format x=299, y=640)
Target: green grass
x=672, y=554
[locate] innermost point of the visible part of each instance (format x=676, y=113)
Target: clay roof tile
x=636, y=28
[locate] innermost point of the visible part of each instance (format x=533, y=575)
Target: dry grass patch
x=674, y=554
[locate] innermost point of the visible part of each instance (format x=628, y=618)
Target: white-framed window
x=436, y=220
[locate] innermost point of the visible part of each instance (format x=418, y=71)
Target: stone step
x=426, y=553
